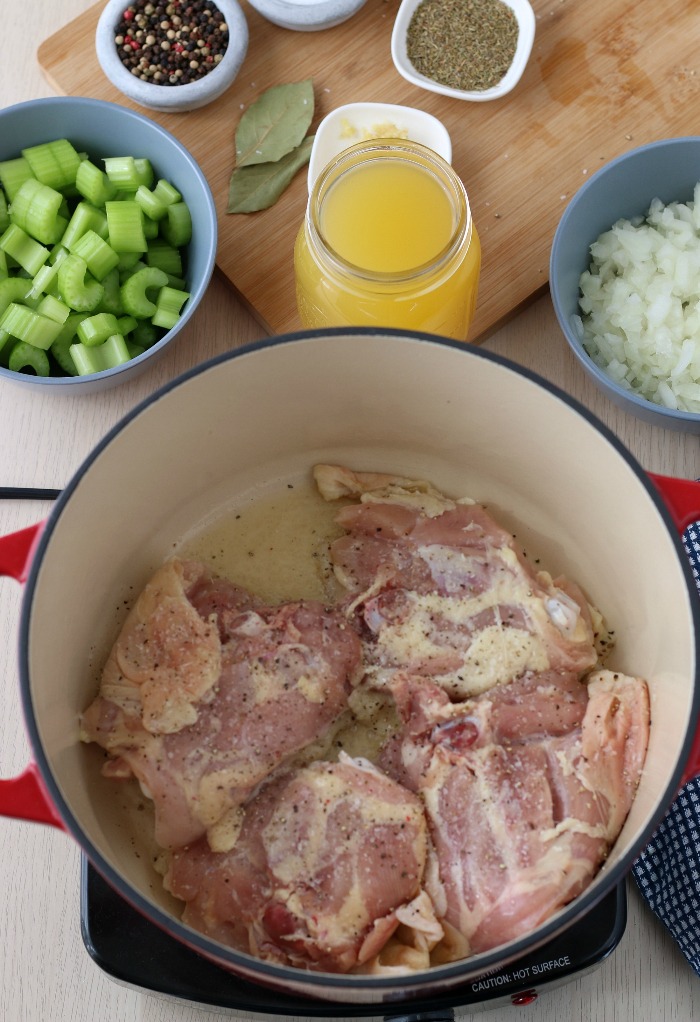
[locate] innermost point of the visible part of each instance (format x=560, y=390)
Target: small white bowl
x=307, y=15
x=172, y=98
x=354, y=122
x=526, y=37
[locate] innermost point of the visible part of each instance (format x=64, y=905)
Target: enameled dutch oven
x=466, y=419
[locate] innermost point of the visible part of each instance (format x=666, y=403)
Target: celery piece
x=134, y=298
x=28, y=325
x=123, y=173
x=176, y=227
x=86, y=217
x=144, y=171
x=168, y=305
x=4, y=212
x=99, y=256
x=125, y=324
x=125, y=274
x=150, y=228
x=166, y=257
x=25, y=357
x=128, y=260
x=60, y=349
x=111, y=300
x=78, y=289
x=166, y=193
x=47, y=276
x=14, y=289
x=134, y=349
x=125, y=226
x=4, y=272
x=54, y=309
x=145, y=334
x=53, y=163
x=13, y=174
x=93, y=184
x=149, y=202
x=96, y=329
x=108, y=355
x=30, y=255
x=35, y=208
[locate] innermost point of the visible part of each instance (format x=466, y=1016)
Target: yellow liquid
x=388, y=216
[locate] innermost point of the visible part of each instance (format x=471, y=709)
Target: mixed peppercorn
x=172, y=43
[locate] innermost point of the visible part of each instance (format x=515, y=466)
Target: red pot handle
x=24, y=797
x=682, y=498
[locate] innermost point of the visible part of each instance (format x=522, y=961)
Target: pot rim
x=384, y=988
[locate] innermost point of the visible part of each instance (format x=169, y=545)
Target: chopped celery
x=30, y=255
x=168, y=306
x=13, y=289
x=47, y=275
x=54, y=309
x=60, y=349
x=96, y=329
x=166, y=257
x=125, y=274
x=134, y=349
x=134, y=298
x=36, y=209
x=126, y=324
x=125, y=226
x=99, y=256
x=86, y=217
x=93, y=184
x=78, y=288
x=149, y=202
x=28, y=325
x=150, y=228
x=145, y=334
x=111, y=300
x=129, y=173
x=13, y=174
x=4, y=271
x=176, y=228
x=108, y=355
x=53, y=163
x=4, y=212
x=166, y=192
x=25, y=357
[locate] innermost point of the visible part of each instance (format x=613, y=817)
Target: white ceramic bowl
x=354, y=122
x=307, y=15
x=172, y=98
x=526, y=37
x=107, y=129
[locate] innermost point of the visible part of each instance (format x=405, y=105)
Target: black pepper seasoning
x=173, y=43
x=462, y=44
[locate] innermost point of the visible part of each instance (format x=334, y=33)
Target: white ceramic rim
x=526, y=36
x=421, y=127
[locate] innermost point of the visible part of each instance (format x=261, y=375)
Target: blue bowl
x=668, y=170
x=106, y=129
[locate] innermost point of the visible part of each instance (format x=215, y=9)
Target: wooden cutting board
x=605, y=76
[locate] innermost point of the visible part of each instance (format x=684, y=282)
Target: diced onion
x=640, y=304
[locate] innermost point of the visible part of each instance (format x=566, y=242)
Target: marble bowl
x=172, y=98
x=307, y=15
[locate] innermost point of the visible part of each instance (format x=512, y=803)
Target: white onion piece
x=640, y=304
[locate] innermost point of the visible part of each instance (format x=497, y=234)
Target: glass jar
x=388, y=240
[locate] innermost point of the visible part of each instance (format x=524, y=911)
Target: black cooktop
x=136, y=952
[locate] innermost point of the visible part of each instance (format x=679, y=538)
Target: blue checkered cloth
x=668, y=870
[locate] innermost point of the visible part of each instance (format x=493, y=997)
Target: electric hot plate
x=133, y=951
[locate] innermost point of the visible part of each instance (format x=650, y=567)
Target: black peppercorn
x=158, y=42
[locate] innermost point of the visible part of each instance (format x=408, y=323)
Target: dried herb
x=275, y=124
x=462, y=44
x=258, y=186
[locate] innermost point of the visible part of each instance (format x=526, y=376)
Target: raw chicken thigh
x=329, y=861
x=206, y=693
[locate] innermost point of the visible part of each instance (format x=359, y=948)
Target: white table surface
x=45, y=972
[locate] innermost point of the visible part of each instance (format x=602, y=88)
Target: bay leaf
x=275, y=123
x=260, y=185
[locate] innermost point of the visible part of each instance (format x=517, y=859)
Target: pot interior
x=259, y=420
